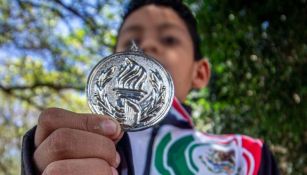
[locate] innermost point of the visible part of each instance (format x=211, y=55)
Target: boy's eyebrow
x=165, y=26
x=132, y=28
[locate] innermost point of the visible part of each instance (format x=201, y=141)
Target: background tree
x=46, y=51
x=257, y=51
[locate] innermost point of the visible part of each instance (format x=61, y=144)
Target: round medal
x=131, y=87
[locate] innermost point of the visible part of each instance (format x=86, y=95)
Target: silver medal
x=131, y=87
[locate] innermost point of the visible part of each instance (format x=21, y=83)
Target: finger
x=55, y=118
x=89, y=166
x=68, y=143
x=119, y=137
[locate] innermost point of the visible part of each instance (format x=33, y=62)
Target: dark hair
x=182, y=11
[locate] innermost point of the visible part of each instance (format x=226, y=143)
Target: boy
x=68, y=143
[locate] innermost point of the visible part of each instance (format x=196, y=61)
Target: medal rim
x=143, y=55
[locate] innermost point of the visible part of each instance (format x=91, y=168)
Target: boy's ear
x=202, y=74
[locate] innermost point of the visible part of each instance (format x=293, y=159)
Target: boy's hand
x=71, y=143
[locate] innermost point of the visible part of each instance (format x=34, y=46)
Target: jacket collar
x=178, y=116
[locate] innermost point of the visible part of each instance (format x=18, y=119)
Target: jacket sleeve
x=27, y=151
x=268, y=164
x=126, y=166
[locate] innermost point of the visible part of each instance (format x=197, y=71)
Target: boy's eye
x=169, y=41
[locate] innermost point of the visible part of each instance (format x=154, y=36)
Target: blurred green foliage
x=46, y=51
x=258, y=53
x=257, y=50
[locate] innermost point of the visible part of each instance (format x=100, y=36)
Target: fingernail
x=117, y=159
x=114, y=171
x=108, y=127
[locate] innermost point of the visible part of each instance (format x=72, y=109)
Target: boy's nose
x=150, y=47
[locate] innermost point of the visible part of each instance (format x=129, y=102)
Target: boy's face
x=161, y=33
